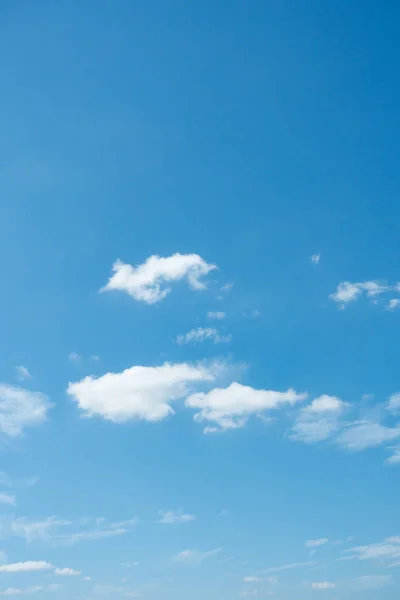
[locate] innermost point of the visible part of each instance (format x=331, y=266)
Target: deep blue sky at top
x=254, y=133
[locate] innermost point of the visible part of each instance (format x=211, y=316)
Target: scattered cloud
x=370, y=582
x=316, y=543
x=194, y=557
x=74, y=357
x=394, y=403
x=170, y=517
x=200, y=334
x=21, y=408
x=315, y=258
x=227, y=287
x=7, y=499
x=252, y=579
x=219, y=314
x=395, y=458
x=319, y=420
x=323, y=585
x=148, y=282
x=29, y=590
x=22, y=373
x=139, y=392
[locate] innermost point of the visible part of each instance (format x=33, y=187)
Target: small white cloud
x=393, y=304
x=170, y=517
x=148, y=282
x=389, y=549
x=21, y=408
x=200, y=334
x=22, y=373
x=229, y=408
x=66, y=572
x=218, y=314
x=74, y=357
x=227, y=287
x=315, y=258
x=95, y=357
x=395, y=458
x=194, y=557
x=26, y=567
x=7, y=499
x=323, y=585
x=139, y=392
x=252, y=579
x=316, y=543
x=290, y=566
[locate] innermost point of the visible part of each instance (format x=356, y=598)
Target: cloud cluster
x=347, y=292
x=171, y=517
x=148, y=282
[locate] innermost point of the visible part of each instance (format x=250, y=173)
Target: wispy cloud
x=290, y=566
x=315, y=259
x=20, y=409
x=347, y=292
x=323, y=585
x=218, y=314
x=194, y=557
x=316, y=543
x=22, y=373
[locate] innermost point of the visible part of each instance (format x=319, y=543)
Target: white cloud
x=139, y=392
x=22, y=373
x=66, y=572
x=315, y=258
x=148, y=282
x=74, y=357
x=33, y=589
x=252, y=579
x=194, y=557
x=200, y=334
x=319, y=420
x=26, y=567
x=21, y=408
x=227, y=287
x=316, y=543
x=369, y=582
x=393, y=304
x=7, y=499
x=323, y=585
x=230, y=407
x=219, y=314
x=348, y=292
x=367, y=434
x=170, y=517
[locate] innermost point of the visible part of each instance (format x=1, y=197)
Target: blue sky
x=199, y=315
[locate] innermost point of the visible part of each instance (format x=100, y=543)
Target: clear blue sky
x=149, y=448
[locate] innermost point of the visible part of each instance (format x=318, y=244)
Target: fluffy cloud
x=194, y=557
x=229, y=408
x=148, y=282
x=315, y=258
x=26, y=567
x=139, y=392
x=393, y=304
x=21, y=408
x=316, y=543
x=319, y=420
x=200, y=334
x=170, y=517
